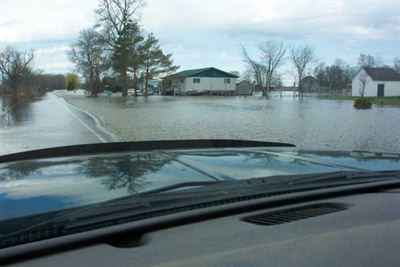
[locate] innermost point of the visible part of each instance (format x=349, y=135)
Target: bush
x=362, y=103
x=72, y=81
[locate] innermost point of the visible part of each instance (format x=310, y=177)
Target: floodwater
x=310, y=123
x=43, y=122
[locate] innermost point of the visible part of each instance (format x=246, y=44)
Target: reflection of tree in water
x=125, y=172
x=20, y=110
x=18, y=170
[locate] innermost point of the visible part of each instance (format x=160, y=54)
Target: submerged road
x=47, y=121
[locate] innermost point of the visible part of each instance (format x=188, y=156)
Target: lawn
x=389, y=100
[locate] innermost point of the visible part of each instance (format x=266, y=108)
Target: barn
x=379, y=82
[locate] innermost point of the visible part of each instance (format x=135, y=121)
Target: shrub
x=362, y=103
x=72, y=81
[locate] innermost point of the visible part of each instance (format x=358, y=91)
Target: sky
x=204, y=33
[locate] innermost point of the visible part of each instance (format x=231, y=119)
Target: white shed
x=207, y=80
x=376, y=82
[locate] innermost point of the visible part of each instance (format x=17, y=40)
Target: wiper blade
x=180, y=186
x=156, y=198
x=117, y=205
x=338, y=177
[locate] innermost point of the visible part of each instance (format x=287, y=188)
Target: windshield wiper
x=117, y=205
x=180, y=186
x=347, y=177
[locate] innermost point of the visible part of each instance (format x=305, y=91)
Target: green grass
x=389, y=100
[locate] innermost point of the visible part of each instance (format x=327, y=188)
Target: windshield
x=315, y=83
x=76, y=72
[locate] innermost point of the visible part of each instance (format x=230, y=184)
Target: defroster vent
x=295, y=214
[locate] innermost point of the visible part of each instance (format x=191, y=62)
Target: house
x=346, y=90
x=310, y=84
x=376, y=82
x=201, y=81
x=244, y=88
x=152, y=86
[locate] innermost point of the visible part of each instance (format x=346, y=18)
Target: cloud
x=338, y=29
x=208, y=32
x=335, y=23
x=32, y=21
x=277, y=17
x=53, y=59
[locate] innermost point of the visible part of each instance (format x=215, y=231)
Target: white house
x=197, y=81
x=378, y=82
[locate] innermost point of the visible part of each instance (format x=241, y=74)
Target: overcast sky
x=202, y=33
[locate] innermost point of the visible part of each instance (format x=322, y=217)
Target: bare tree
x=272, y=54
x=396, y=64
x=302, y=57
x=247, y=74
x=257, y=69
x=369, y=61
x=14, y=66
x=90, y=59
x=362, y=79
x=236, y=73
x=119, y=22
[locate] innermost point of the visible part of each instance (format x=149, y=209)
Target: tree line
x=264, y=72
x=117, y=51
x=18, y=75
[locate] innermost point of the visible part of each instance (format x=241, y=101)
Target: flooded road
x=310, y=124
x=45, y=122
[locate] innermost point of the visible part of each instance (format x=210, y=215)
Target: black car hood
x=41, y=185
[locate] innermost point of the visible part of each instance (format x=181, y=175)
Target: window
x=196, y=80
x=227, y=80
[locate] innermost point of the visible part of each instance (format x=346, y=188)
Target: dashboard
x=356, y=230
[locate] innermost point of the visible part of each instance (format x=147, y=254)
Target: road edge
x=99, y=121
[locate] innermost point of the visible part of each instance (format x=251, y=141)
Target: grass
x=389, y=100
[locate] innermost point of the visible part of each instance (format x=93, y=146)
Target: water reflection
x=14, y=110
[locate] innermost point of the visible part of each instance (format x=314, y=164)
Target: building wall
x=356, y=86
x=244, y=88
x=392, y=88
x=309, y=85
x=209, y=84
x=178, y=84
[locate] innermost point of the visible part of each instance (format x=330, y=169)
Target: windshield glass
x=323, y=76
x=73, y=73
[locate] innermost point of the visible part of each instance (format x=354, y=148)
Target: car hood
x=42, y=185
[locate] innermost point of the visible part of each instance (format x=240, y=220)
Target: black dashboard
x=355, y=230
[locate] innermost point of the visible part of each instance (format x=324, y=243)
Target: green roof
x=204, y=72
